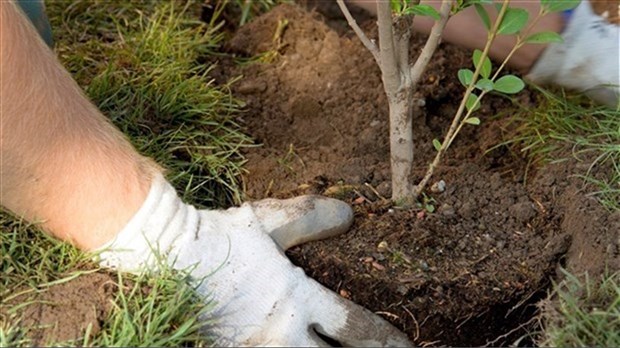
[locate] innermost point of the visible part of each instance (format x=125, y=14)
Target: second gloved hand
x=587, y=60
x=261, y=298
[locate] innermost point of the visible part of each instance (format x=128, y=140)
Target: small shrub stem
x=456, y=121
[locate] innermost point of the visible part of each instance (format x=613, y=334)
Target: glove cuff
x=151, y=233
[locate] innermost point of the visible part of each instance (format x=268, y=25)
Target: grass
x=139, y=62
x=251, y=8
x=147, y=311
x=30, y=258
x=580, y=311
x=140, y=66
x=587, y=313
x=167, y=314
x=591, y=132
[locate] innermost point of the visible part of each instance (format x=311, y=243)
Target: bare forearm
x=57, y=151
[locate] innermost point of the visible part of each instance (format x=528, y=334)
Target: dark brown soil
x=469, y=273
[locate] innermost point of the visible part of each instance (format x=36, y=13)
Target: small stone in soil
x=447, y=210
x=438, y=187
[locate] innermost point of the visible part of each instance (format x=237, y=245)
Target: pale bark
x=358, y=31
x=394, y=51
x=396, y=72
x=401, y=147
x=434, y=38
x=387, y=50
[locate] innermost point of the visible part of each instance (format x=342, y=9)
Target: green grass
x=147, y=311
x=592, y=133
x=167, y=314
x=250, y=8
x=139, y=62
x=587, y=313
x=30, y=258
x=580, y=312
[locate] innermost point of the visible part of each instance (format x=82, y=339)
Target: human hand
x=261, y=298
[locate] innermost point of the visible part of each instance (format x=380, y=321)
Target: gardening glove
x=588, y=59
x=260, y=297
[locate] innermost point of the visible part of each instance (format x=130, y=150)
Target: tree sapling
x=400, y=78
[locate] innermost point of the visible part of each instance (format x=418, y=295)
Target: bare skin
x=466, y=29
x=57, y=151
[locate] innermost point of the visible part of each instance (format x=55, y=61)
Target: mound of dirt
x=470, y=272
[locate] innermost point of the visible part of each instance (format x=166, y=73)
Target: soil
x=468, y=273
x=63, y=312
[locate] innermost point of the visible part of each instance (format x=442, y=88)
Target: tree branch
x=402, y=37
x=387, y=50
x=358, y=31
x=431, y=43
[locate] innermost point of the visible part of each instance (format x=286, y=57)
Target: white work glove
x=261, y=298
x=587, y=61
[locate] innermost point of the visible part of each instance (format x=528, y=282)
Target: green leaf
x=485, y=71
x=465, y=76
x=437, y=144
x=514, y=20
x=484, y=15
x=473, y=120
x=472, y=102
x=463, y=4
x=485, y=85
x=397, y=6
x=544, y=37
x=423, y=10
x=509, y=84
x=559, y=5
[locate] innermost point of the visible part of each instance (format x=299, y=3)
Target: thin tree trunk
x=399, y=81
x=401, y=146
x=394, y=51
